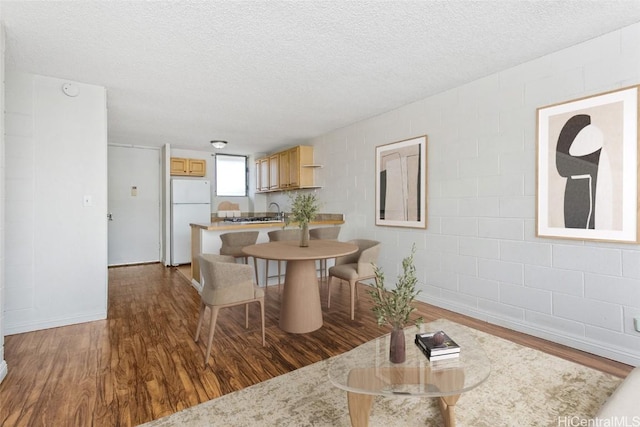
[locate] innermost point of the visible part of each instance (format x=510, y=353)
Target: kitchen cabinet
x=283, y=170
x=181, y=166
x=290, y=169
x=301, y=167
x=274, y=172
x=262, y=174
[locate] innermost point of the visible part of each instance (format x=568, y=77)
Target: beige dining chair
x=324, y=233
x=355, y=267
x=276, y=236
x=226, y=284
x=232, y=244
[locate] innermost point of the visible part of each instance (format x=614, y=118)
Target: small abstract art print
x=401, y=184
x=587, y=168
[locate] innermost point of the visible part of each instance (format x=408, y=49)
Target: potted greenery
x=304, y=208
x=394, y=307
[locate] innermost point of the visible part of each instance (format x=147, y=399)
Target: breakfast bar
x=205, y=238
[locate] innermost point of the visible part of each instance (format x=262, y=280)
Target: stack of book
x=437, y=345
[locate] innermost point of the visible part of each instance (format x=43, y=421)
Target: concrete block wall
x=3, y=363
x=479, y=254
x=56, y=247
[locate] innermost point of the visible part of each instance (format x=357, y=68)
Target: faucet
x=279, y=215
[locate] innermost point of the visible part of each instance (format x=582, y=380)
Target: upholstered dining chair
x=280, y=235
x=232, y=244
x=324, y=233
x=226, y=284
x=355, y=267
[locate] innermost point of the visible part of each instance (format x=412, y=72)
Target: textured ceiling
x=264, y=75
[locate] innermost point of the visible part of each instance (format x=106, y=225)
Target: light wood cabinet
x=262, y=179
x=283, y=169
x=288, y=170
x=188, y=167
x=274, y=172
x=197, y=167
x=294, y=167
x=301, y=167
x=263, y=168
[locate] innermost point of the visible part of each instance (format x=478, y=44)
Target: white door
x=134, y=205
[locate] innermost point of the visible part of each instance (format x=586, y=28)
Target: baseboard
x=196, y=285
x=3, y=370
x=52, y=323
x=580, y=343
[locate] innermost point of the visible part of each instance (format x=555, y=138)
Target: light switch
x=87, y=201
x=134, y=191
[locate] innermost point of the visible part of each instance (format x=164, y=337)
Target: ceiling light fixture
x=218, y=144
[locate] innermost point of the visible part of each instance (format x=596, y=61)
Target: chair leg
x=212, y=326
x=352, y=285
x=202, y=308
x=261, y=302
x=266, y=276
x=323, y=265
x=255, y=270
x=329, y=291
x=246, y=316
x=279, y=269
x=377, y=287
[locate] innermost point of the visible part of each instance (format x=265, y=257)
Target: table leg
x=300, y=311
x=447, y=408
x=359, y=408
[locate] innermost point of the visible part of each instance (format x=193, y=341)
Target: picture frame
x=587, y=168
x=401, y=185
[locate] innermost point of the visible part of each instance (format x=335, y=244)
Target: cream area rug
x=526, y=388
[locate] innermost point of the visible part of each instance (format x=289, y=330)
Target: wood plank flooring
x=142, y=363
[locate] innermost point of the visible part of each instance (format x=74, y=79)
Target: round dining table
x=300, y=310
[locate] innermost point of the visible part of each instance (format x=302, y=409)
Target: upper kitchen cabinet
x=289, y=169
x=262, y=174
x=274, y=172
x=188, y=167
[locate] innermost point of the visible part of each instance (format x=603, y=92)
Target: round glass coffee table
x=366, y=371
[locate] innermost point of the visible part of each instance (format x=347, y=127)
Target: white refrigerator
x=190, y=203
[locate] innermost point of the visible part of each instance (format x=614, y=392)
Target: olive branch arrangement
x=394, y=306
x=304, y=208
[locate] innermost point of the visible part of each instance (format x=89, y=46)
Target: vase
x=304, y=235
x=397, y=353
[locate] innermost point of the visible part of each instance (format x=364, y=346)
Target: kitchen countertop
x=222, y=225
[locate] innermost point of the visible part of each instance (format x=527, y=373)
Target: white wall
x=3, y=363
x=479, y=255
x=56, y=248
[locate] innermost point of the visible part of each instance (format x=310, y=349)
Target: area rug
x=526, y=388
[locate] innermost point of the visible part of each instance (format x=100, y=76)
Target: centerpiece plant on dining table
x=304, y=208
x=394, y=306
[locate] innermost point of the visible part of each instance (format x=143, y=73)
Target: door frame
x=161, y=200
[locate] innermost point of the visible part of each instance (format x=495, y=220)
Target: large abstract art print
x=587, y=168
x=401, y=185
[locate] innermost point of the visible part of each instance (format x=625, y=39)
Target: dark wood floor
x=142, y=363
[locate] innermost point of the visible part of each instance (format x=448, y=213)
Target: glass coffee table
x=366, y=371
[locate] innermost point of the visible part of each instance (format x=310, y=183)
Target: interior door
x=134, y=205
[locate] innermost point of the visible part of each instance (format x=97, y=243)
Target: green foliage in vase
x=394, y=306
x=304, y=208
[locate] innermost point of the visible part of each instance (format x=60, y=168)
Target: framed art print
x=401, y=185
x=587, y=168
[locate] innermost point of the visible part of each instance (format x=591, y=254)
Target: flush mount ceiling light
x=218, y=144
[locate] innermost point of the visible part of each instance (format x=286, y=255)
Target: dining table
x=300, y=309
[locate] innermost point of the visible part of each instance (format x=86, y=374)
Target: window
x=231, y=175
